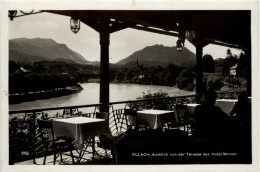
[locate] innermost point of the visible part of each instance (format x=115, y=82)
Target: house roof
x=234, y=67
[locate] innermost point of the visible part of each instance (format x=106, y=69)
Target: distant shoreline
x=93, y=80
x=15, y=99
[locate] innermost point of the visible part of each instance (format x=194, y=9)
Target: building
x=233, y=70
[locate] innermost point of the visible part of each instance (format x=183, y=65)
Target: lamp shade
x=74, y=25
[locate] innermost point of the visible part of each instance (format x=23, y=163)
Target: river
x=90, y=95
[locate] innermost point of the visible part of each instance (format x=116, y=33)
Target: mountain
x=160, y=55
x=39, y=49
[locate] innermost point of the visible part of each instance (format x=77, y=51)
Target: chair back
x=105, y=116
x=102, y=115
x=181, y=110
x=164, y=106
x=46, y=130
x=131, y=117
x=174, y=122
x=130, y=112
x=71, y=112
x=169, y=107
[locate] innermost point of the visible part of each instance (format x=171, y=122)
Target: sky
x=86, y=42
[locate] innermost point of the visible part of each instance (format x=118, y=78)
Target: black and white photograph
x=132, y=85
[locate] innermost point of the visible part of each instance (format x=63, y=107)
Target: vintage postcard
x=129, y=85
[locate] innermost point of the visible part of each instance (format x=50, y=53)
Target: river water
x=90, y=95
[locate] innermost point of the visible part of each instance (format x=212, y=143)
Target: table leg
x=80, y=156
x=94, y=150
x=82, y=152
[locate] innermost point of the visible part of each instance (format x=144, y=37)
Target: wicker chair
x=52, y=144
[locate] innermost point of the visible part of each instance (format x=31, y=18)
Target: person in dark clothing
x=241, y=114
x=242, y=109
x=218, y=133
x=210, y=121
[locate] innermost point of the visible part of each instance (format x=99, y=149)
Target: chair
x=71, y=112
x=105, y=139
x=132, y=120
x=172, y=124
x=183, y=119
x=53, y=144
x=164, y=106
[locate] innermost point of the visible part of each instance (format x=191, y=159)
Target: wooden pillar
x=104, y=71
x=199, y=86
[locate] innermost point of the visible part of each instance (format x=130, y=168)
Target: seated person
x=210, y=121
x=242, y=109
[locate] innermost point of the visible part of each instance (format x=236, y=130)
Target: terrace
x=198, y=27
x=24, y=129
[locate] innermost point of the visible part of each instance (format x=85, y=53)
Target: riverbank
x=96, y=80
x=15, y=99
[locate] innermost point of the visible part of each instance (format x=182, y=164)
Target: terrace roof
x=222, y=27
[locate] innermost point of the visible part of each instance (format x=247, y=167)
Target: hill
x=39, y=49
x=160, y=55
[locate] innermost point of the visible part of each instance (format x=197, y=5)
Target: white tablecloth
x=79, y=128
x=155, y=118
x=226, y=104
x=191, y=108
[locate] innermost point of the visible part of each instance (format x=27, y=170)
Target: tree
x=229, y=52
x=171, y=74
x=112, y=74
x=35, y=82
x=74, y=79
x=129, y=75
x=119, y=76
x=212, y=82
x=185, y=80
x=242, y=66
x=47, y=79
x=208, y=64
x=227, y=63
x=17, y=83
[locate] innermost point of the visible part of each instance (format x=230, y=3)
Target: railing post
x=33, y=136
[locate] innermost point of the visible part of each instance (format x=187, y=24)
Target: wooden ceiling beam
x=119, y=25
x=92, y=24
x=155, y=30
